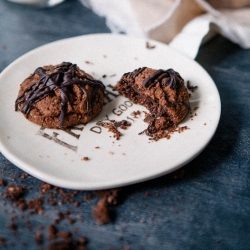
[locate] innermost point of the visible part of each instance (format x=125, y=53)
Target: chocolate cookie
x=60, y=96
x=162, y=92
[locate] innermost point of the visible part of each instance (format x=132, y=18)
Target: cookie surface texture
x=60, y=96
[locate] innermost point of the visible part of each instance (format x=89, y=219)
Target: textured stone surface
x=206, y=205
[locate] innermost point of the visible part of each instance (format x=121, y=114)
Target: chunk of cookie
x=60, y=96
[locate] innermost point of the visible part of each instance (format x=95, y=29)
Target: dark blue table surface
x=206, y=205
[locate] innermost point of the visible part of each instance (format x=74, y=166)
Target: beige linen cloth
x=183, y=24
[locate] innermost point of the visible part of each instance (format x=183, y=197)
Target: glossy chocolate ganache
x=60, y=81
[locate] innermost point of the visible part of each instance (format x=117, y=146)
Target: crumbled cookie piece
x=113, y=126
x=2, y=182
x=101, y=212
x=162, y=92
x=14, y=193
x=111, y=195
x=190, y=87
x=45, y=188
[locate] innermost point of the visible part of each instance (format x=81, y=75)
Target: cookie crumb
x=2, y=182
x=111, y=195
x=101, y=212
x=2, y=241
x=190, y=87
x=52, y=230
x=39, y=238
x=135, y=114
x=149, y=46
x=122, y=124
x=113, y=126
x=14, y=193
x=45, y=188
x=13, y=227
x=88, y=62
x=24, y=175
x=35, y=206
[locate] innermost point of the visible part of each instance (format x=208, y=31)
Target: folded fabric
x=183, y=24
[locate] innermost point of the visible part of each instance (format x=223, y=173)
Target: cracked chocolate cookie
x=60, y=96
x=162, y=92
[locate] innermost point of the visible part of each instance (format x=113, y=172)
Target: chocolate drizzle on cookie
x=135, y=73
x=60, y=78
x=171, y=78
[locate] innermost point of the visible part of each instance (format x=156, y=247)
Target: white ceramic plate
x=56, y=157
